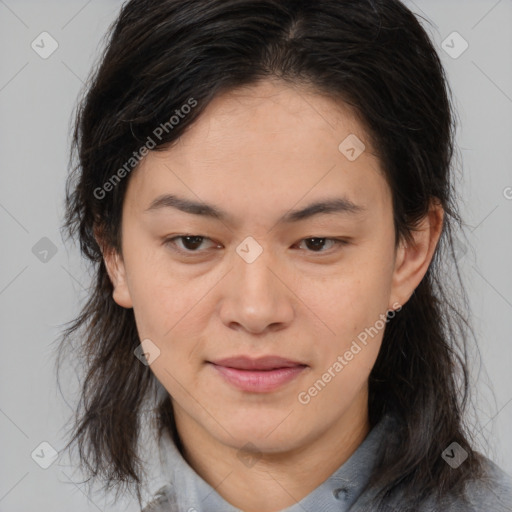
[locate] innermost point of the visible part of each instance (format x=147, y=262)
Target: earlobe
x=413, y=258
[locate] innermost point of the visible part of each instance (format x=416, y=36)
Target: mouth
x=260, y=375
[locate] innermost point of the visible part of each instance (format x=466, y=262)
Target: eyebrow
x=323, y=207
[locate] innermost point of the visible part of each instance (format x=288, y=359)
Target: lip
x=258, y=375
x=257, y=363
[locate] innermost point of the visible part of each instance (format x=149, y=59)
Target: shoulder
x=490, y=492
x=493, y=491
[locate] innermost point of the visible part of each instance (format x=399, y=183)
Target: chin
x=268, y=434
x=248, y=440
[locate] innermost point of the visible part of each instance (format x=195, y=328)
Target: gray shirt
x=345, y=490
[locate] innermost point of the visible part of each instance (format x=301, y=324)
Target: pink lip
x=260, y=375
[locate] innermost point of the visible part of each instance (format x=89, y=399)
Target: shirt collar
x=337, y=494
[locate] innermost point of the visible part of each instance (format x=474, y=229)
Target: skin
x=257, y=153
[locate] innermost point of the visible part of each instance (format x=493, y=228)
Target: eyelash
x=170, y=242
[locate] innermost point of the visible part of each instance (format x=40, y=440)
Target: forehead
x=263, y=145
x=289, y=118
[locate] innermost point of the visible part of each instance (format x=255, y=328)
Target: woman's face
x=266, y=328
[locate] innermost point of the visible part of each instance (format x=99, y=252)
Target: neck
x=271, y=481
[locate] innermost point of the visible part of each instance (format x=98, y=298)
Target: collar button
x=341, y=493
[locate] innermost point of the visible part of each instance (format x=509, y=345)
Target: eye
x=190, y=243
x=316, y=244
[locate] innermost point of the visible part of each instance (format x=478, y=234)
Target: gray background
x=37, y=98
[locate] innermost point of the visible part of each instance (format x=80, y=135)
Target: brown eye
x=317, y=244
x=189, y=243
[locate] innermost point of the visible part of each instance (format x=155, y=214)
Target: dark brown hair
x=373, y=55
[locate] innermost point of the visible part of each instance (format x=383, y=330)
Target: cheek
x=352, y=305
x=351, y=300
x=160, y=296
x=352, y=308
x=164, y=307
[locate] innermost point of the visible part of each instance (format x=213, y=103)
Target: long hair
x=372, y=55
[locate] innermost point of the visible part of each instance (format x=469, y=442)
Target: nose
x=257, y=298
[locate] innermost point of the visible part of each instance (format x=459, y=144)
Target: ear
x=117, y=273
x=413, y=259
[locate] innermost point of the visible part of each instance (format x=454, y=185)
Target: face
x=258, y=312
